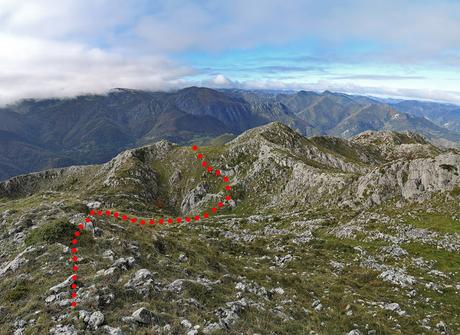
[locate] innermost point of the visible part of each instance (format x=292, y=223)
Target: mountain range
x=321, y=235
x=47, y=133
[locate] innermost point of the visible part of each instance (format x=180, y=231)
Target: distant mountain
x=39, y=134
x=444, y=115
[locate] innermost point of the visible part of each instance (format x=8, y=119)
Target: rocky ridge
x=324, y=236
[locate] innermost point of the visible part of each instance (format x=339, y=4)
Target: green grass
x=444, y=260
x=435, y=222
x=20, y=291
x=336, y=146
x=455, y=191
x=56, y=231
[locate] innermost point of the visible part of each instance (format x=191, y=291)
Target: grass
x=56, y=231
x=212, y=256
x=435, y=222
x=309, y=276
x=336, y=146
x=455, y=191
x=20, y=291
x=444, y=260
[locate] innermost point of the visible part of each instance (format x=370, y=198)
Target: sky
x=394, y=48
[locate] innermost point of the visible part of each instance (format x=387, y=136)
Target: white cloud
x=351, y=88
x=220, y=81
x=33, y=67
x=68, y=47
x=408, y=30
x=65, y=47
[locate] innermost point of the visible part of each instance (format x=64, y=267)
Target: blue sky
x=405, y=49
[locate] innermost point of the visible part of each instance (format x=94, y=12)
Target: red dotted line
x=143, y=222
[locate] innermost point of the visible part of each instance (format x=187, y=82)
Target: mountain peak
x=276, y=132
x=389, y=137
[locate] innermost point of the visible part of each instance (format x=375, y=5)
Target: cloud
x=378, y=77
x=397, y=29
x=68, y=47
x=220, y=81
x=351, y=88
x=42, y=68
x=58, y=48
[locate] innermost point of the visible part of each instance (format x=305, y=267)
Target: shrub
x=58, y=230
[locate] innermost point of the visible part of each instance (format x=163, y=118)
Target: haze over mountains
x=41, y=134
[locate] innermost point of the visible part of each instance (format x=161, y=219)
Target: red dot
x=217, y=172
x=133, y=220
x=194, y=148
x=227, y=187
x=99, y=213
x=74, y=277
x=187, y=219
x=199, y=156
x=74, y=250
x=152, y=222
x=226, y=179
x=74, y=304
x=74, y=295
x=81, y=227
x=116, y=214
x=74, y=286
x=75, y=258
x=179, y=220
x=197, y=218
x=74, y=241
x=142, y=222
x=220, y=204
x=214, y=209
x=88, y=220
x=170, y=221
x=210, y=169
x=161, y=221
x=206, y=215
x=92, y=212
x=124, y=217
x=75, y=268
x=204, y=164
x=77, y=233
x=108, y=213
x=228, y=198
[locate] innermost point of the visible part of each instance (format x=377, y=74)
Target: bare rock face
x=17, y=262
x=26, y=184
x=131, y=169
x=63, y=330
x=392, y=145
x=398, y=277
x=273, y=166
x=143, y=315
x=412, y=180
x=96, y=320
x=193, y=198
x=439, y=174
x=141, y=281
x=199, y=198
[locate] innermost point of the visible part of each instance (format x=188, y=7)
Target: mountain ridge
x=275, y=141
x=321, y=234
x=93, y=128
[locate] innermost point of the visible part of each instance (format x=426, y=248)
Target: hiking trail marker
x=143, y=222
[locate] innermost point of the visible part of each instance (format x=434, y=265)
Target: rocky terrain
x=322, y=236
